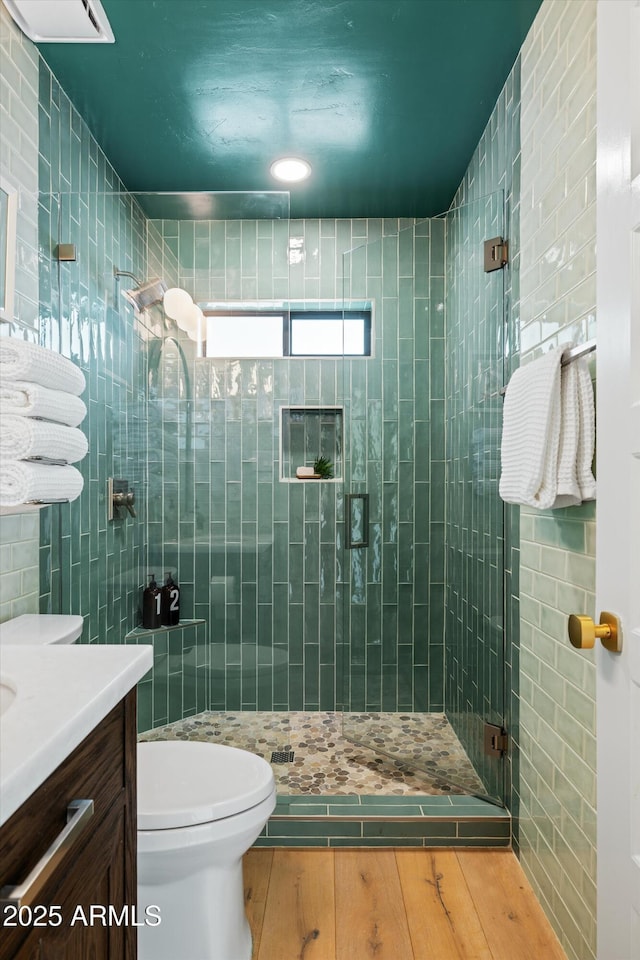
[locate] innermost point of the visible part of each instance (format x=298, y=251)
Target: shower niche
x=308, y=433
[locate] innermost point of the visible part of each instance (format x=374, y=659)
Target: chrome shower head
x=145, y=293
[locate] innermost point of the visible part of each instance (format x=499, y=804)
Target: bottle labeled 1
x=151, y=605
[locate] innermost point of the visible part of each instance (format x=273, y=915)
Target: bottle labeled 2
x=170, y=606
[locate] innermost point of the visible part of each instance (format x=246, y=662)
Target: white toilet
x=200, y=807
x=38, y=629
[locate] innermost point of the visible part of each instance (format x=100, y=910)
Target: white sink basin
x=51, y=697
x=7, y=694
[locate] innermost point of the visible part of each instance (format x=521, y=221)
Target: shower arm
x=125, y=273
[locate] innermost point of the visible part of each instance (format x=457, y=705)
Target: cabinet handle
x=79, y=812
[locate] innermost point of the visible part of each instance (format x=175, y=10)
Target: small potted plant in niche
x=323, y=468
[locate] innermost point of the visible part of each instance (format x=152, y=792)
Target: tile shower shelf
x=24, y=508
x=143, y=632
x=310, y=431
x=310, y=480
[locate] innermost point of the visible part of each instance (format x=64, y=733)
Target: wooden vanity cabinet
x=99, y=869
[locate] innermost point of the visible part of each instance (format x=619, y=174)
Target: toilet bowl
x=200, y=808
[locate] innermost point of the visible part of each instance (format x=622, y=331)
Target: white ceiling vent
x=61, y=21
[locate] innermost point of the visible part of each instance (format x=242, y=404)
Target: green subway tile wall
x=481, y=534
x=19, y=583
x=557, y=786
x=262, y=560
x=86, y=565
x=89, y=565
x=19, y=535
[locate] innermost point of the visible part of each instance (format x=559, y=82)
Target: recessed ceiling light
x=290, y=169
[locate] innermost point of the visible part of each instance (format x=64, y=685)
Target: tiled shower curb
x=413, y=821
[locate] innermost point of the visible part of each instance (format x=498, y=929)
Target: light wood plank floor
x=397, y=904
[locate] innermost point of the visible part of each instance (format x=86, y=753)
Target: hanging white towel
x=587, y=432
x=567, y=489
x=32, y=400
x=531, y=433
x=22, y=438
x=567, y=441
x=21, y=482
x=21, y=360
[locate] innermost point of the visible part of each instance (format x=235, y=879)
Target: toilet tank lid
x=182, y=783
x=39, y=629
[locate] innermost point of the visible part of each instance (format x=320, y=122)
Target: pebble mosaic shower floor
x=419, y=753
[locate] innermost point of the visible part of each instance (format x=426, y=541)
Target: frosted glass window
x=327, y=336
x=245, y=335
x=308, y=333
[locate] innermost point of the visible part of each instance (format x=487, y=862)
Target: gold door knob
x=583, y=631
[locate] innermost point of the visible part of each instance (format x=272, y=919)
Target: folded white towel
x=31, y=400
x=21, y=482
x=531, y=433
x=23, y=437
x=21, y=360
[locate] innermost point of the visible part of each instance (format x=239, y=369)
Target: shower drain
x=282, y=756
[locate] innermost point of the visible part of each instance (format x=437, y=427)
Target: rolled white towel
x=21, y=360
x=32, y=400
x=21, y=482
x=23, y=437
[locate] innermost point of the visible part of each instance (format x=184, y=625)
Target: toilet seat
x=182, y=783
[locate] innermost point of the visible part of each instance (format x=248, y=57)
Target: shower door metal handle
x=350, y=498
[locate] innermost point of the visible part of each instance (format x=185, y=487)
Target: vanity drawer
x=97, y=866
x=95, y=770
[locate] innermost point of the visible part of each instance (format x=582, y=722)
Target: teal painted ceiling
x=386, y=98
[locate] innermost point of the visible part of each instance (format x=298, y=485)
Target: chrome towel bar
x=573, y=353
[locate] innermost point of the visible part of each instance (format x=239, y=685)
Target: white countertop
x=62, y=693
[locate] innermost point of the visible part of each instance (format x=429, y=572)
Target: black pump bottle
x=151, y=605
x=170, y=605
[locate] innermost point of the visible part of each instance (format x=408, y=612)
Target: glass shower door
x=400, y=646
x=394, y=436
x=480, y=342
x=219, y=517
